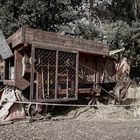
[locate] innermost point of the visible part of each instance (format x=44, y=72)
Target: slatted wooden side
x=56, y=41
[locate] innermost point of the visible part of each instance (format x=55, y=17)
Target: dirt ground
x=104, y=123
x=72, y=130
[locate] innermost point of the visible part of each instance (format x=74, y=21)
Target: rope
x=73, y=105
x=67, y=105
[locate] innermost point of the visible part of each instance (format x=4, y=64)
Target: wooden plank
x=20, y=82
x=56, y=75
x=72, y=43
x=37, y=85
x=84, y=91
x=67, y=85
x=80, y=91
x=52, y=47
x=77, y=76
x=9, y=82
x=40, y=37
x=32, y=73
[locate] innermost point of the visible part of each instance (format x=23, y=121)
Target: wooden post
x=77, y=75
x=32, y=72
x=56, y=74
x=37, y=85
x=48, y=78
x=67, y=83
x=43, y=92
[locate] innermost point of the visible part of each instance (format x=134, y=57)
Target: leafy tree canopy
x=47, y=15
x=115, y=22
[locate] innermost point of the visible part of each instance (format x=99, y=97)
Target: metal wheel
x=34, y=111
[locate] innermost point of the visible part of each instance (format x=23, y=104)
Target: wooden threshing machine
x=50, y=67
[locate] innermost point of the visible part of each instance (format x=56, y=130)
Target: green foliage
x=114, y=21
x=122, y=10
x=87, y=31
x=47, y=15
x=117, y=34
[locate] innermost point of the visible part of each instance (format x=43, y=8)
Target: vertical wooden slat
x=67, y=86
x=42, y=82
x=48, y=80
x=37, y=85
x=77, y=75
x=56, y=74
x=32, y=72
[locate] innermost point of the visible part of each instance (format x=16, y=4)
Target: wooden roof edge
x=71, y=37
x=24, y=28
x=9, y=39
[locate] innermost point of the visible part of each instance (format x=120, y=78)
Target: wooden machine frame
x=40, y=49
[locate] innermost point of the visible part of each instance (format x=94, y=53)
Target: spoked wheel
x=35, y=112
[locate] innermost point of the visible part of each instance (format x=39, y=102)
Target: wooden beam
x=56, y=75
x=32, y=72
x=58, y=41
x=77, y=76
